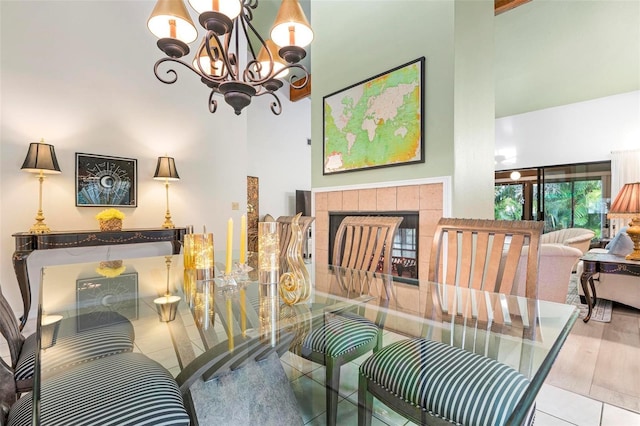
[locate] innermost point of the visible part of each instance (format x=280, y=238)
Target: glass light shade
x=49, y=326
x=278, y=63
x=230, y=8
x=41, y=157
x=291, y=27
x=170, y=19
x=515, y=175
x=166, y=169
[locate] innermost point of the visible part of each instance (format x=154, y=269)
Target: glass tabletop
x=178, y=321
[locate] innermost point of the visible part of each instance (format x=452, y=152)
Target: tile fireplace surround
x=428, y=197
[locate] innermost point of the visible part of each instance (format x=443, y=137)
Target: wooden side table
x=26, y=243
x=608, y=264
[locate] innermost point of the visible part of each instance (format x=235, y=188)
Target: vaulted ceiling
x=549, y=52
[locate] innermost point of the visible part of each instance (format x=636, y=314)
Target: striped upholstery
x=123, y=389
x=340, y=334
x=112, y=334
x=458, y=386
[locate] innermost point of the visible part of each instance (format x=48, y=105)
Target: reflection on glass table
x=228, y=343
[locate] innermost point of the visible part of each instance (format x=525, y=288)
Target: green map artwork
x=375, y=123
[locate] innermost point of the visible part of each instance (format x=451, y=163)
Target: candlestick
x=230, y=323
x=227, y=269
x=243, y=311
x=243, y=239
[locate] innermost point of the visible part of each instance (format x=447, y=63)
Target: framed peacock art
x=105, y=181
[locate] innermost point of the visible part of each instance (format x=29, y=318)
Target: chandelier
x=217, y=60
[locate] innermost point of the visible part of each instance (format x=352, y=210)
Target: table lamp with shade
x=166, y=169
x=41, y=159
x=627, y=205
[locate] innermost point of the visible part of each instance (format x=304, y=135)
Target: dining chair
x=452, y=374
x=362, y=243
x=106, y=333
x=286, y=234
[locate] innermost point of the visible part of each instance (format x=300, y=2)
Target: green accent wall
x=356, y=40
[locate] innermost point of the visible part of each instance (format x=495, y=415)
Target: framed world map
x=377, y=122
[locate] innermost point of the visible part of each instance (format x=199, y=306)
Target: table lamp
x=41, y=159
x=167, y=305
x=166, y=169
x=627, y=205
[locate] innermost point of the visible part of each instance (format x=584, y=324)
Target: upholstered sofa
x=579, y=238
x=554, y=271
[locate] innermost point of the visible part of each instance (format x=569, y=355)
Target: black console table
x=607, y=263
x=27, y=243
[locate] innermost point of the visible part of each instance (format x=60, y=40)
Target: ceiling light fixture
x=217, y=60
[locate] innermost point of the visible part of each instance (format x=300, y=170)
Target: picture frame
x=377, y=122
x=106, y=294
x=102, y=180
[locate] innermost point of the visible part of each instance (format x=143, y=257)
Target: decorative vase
x=110, y=224
x=295, y=285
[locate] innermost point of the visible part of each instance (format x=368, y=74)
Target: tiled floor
x=555, y=406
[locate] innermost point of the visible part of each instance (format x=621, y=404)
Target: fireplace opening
x=405, y=243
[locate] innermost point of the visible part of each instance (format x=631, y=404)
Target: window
x=568, y=196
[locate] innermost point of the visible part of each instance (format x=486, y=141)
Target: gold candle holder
x=198, y=262
x=268, y=253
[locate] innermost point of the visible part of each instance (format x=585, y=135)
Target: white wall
x=80, y=74
x=575, y=133
x=283, y=139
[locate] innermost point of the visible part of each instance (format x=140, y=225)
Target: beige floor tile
x=544, y=419
x=614, y=416
x=568, y=406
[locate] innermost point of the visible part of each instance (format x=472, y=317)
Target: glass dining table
x=259, y=375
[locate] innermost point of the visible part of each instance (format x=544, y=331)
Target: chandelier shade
x=230, y=8
x=170, y=19
x=220, y=60
x=291, y=27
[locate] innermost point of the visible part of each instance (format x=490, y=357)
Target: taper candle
x=227, y=269
x=243, y=239
x=230, y=323
x=243, y=311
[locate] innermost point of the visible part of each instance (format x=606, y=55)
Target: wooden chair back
x=364, y=243
x=286, y=234
x=484, y=254
x=10, y=329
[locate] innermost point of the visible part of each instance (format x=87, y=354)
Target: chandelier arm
x=304, y=79
x=213, y=103
x=276, y=106
x=213, y=57
x=171, y=70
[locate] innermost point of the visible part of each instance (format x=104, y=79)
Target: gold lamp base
x=634, y=233
x=39, y=227
x=168, y=224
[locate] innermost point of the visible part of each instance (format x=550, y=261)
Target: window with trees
x=567, y=196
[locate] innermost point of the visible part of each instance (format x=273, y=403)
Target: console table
x=607, y=263
x=27, y=242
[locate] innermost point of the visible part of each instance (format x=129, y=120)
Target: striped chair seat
x=339, y=334
x=450, y=383
x=110, y=333
x=123, y=389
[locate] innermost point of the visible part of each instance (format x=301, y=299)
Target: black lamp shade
x=41, y=157
x=166, y=169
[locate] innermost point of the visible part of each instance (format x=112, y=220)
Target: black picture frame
x=103, y=180
x=354, y=134
x=106, y=294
